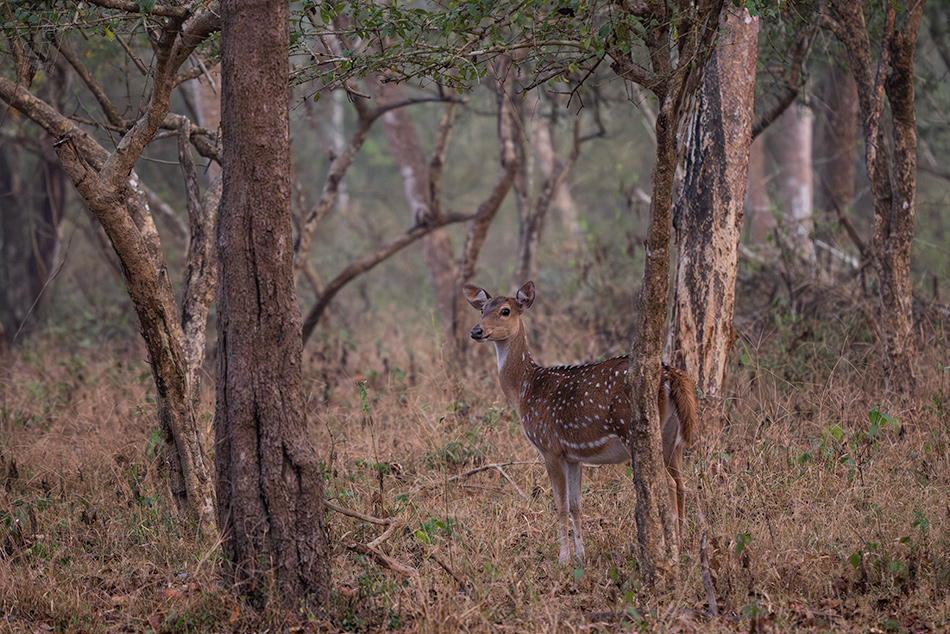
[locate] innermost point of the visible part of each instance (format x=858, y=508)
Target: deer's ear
x=525, y=296
x=476, y=295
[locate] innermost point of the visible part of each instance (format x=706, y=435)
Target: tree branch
x=368, y=262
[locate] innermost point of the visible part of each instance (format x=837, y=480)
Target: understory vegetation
x=823, y=508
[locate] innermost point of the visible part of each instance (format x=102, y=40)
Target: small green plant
x=433, y=529
x=471, y=448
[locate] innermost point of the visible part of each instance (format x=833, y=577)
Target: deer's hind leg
x=677, y=488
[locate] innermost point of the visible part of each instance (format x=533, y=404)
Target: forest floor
x=824, y=508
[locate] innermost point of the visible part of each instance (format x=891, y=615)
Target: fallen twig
x=498, y=467
x=360, y=516
x=383, y=558
x=465, y=585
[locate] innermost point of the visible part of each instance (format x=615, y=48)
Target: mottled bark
x=892, y=171
x=113, y=192
x=270, y=487
x=673, y=79
x=708, y=215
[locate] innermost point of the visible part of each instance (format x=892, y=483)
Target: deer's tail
x=682, y=392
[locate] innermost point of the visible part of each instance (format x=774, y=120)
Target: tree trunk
x=758, y=209
x=708, y=215
x=894, y=204
x=836, y=140
x=533, y=206
x=674, y=84
x=436, y=247
x=794, y=151
x=113, y=193
x=270, y=488
x=656, y=530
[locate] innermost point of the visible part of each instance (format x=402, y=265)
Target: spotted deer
x=578, y=414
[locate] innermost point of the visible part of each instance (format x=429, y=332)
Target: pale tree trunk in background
x=270, y=485
x=534, y=200
x=836, y=130
x=758, y=210
x=542, y=133
x=708, y=215
x=892, y=172
x=436, y=247
x=534, y=206
x=793, y=148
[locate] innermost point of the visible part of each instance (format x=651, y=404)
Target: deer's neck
x=515, y=366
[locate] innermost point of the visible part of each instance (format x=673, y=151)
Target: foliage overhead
x=448, y=43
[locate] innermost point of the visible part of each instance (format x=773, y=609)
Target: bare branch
x=105, y=103
x=368, y=262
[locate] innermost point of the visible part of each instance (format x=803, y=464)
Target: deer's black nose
x=477, y=332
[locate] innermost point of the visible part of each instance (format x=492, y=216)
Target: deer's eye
x=505, y=311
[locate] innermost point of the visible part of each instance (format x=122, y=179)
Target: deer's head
x=501, y=316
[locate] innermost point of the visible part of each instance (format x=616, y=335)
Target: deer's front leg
x=557, y=473
x=573, y=472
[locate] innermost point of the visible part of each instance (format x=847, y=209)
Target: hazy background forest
x=824, y=502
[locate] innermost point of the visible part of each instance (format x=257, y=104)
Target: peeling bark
x=708, y=215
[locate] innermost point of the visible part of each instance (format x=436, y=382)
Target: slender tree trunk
x=794, y=151
x=534, y=206
x=270, y=488
x=656, y=530
x=893, y=178
x=708, y=215
x=113, y=192
x=758, y=209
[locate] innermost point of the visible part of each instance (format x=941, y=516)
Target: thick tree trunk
x=893, y=180
x=708, y=215
x=673, y=84
x=270, y=488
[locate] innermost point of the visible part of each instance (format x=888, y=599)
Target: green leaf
x=742, y=540
x=856, y=558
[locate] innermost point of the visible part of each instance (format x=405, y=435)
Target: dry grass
x=818, y=517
